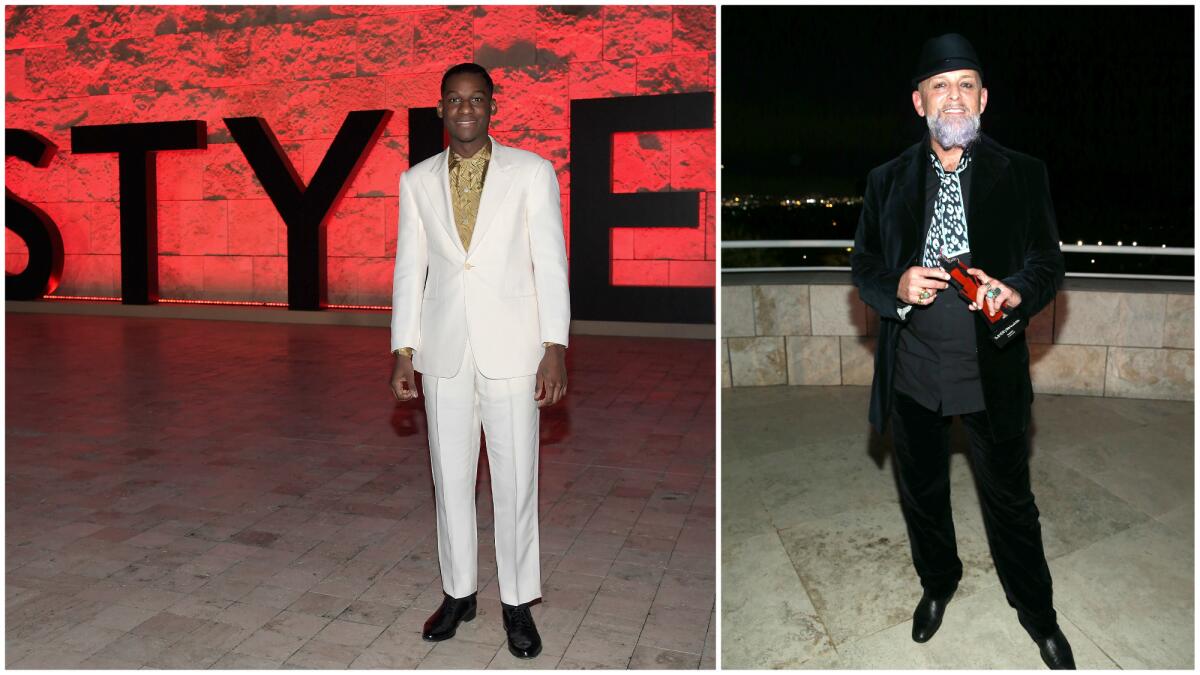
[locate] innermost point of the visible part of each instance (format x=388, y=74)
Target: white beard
x=952, y=132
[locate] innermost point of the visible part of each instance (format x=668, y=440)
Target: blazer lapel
x=496, y=184
x=437, y=189
x=988, y=166
x=912, y=191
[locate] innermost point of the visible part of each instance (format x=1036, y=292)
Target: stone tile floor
x=816, y=569
x=196, y=494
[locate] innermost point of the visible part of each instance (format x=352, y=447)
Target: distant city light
x=780, y=214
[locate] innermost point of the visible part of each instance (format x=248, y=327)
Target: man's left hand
x=1007, y=296
x=551, y=376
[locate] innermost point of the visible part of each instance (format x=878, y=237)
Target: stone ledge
x=1135, y=342
x=1150, y=373
x=1078, y=370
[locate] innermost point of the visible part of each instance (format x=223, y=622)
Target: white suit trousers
x=454, y=407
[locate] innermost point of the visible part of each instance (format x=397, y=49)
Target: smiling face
x=952, y=104
x=466, y=109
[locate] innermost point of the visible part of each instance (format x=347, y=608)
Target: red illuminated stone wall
x=303, y=69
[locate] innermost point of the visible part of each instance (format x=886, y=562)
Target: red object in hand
x=968, y=287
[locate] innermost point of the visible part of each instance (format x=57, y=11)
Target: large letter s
x=33, y=225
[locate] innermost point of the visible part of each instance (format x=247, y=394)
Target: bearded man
x=959, y=193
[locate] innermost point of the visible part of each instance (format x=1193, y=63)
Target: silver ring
x=994, y=292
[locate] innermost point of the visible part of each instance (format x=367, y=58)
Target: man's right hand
x=918, y=280
x=404, y=379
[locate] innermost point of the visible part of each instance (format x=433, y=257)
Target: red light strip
x=239, y=303
x=381, y=307
x=79, y=297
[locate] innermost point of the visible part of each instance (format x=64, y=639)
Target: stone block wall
x=302, y=69
x=1091, y=343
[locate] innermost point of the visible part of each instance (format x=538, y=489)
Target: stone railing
x=1124, y=339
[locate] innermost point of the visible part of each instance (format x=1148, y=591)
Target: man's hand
x=986, y=283
x=551, y=376
x=404, y=380
x=921, y=280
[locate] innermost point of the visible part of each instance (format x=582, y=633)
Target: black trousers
x=921, y=438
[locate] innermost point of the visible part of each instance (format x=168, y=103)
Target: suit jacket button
x=467, y=266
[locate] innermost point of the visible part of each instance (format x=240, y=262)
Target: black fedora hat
x=945, y=53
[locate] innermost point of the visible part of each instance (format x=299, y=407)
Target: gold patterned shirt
x=466, y=185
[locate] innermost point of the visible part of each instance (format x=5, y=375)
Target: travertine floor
x=816, y=571
x=194, y=494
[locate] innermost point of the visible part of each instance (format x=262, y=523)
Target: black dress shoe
x=1056, y=651
x=523, y=639
x=443, y=624
x=927, y=617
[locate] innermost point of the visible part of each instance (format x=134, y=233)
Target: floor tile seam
x=1072, y=467
x=271, y=630
x=1098, y=542
x=1148, y=517
x=807, y=592
x=673, y=651
x=88, y=654
x=585, y=614
x=181, y=637
x=1160, y=521
x=593, y=465
x=635, y=521
x=645, y=619
x=994, y=584
x=1062, y=615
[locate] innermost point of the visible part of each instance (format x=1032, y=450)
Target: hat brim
x=945, y=66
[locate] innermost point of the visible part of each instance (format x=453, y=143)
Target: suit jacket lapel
x=988, y=166
x=437, y=189
x=496, y=184
x=912, y=190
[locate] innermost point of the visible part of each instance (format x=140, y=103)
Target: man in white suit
x=480, y=307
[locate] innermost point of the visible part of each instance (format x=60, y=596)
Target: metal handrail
x=1066, y=248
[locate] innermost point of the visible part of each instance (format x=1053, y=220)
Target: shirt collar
x=964, y=161
x=484, y=154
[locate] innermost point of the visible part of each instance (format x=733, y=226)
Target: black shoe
x=1056, y=651
x=444, y=622
x=927, y=617
x=523, y=639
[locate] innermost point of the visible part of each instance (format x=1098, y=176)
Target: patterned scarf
x=948, y=230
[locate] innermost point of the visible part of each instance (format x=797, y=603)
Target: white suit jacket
x=507, y=294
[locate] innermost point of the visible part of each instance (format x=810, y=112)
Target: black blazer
x=1013, y=237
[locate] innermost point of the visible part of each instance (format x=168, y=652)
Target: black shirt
x=936, y=360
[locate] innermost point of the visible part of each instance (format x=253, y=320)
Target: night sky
x=814, y=97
